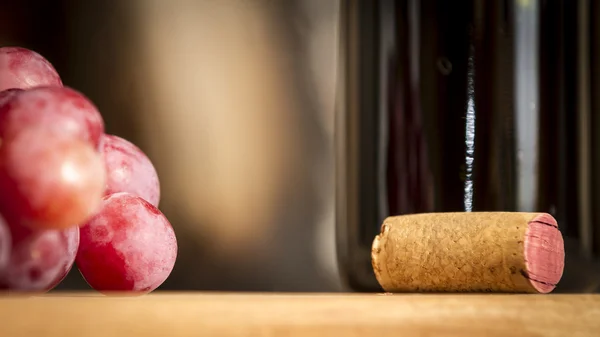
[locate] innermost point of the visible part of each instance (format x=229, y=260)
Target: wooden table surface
x=240, y=314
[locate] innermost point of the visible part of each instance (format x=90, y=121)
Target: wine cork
x=469, y=252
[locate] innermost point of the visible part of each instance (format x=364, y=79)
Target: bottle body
x=450, y=106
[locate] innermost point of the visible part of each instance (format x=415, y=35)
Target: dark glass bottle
x=459, y=106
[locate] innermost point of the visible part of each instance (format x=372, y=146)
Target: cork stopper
x=469, y=252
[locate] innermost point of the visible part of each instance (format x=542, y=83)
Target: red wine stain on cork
x=544, y=253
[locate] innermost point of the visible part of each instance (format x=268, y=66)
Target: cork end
x=378, y=256
x=544, y=253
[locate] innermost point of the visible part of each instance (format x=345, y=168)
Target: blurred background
x=233, y=102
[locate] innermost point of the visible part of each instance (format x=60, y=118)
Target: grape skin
x=39, y=260
x=23, y=68
x=8, y=94
x=59, y=109
x=49, y=180
x=52, y=176
x=128, y=246
x=128, y=169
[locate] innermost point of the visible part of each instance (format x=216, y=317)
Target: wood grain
x=239, y=314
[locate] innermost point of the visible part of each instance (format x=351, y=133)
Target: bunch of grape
x=69, y=193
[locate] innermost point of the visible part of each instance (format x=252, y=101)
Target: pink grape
x=23, y=68
x=60, y=109
x=5, y=244
x=8, y=94
x=39, y=259
x=128, y=246
x=49, y=180
x=128, y=169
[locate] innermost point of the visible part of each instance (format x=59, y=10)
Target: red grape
x=5, y=244
x=60, y=109
x=128, y=246
x=23, y=68
x=49, y=180
x=128, y=169
x=39, y=259
x=8, y=94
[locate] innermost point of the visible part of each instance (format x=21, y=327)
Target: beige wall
x=233, y=101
